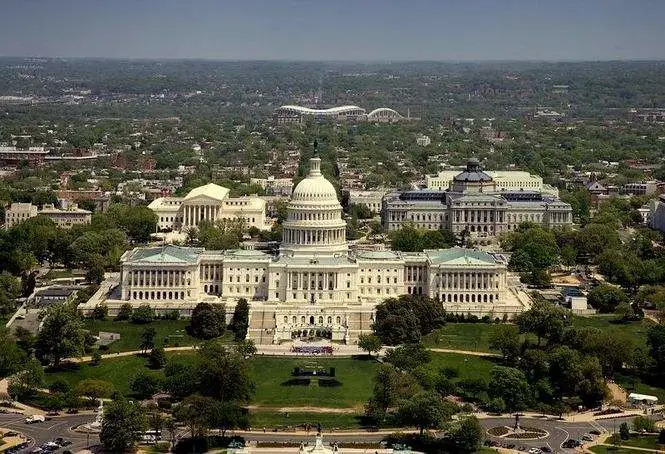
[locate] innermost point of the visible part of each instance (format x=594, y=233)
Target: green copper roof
x=165, y=254
x=459, y=256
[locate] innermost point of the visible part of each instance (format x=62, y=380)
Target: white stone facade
x=474, y=202
x=210, y=203
x=314, y=284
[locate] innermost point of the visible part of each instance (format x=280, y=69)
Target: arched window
x=320, y=320
x=338, y=320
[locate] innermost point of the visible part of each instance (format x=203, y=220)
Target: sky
x=365, y=30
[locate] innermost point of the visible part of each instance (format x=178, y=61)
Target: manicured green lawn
x=118, y=371
x=271, y=373
x=636, y=329
x=462, y=336
x=476, y=336
x=467, y=366
x=643, y=441
x=60, y=273
x=613, y=450
x=130, y=334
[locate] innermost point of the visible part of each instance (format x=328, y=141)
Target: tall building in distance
x=314, y=284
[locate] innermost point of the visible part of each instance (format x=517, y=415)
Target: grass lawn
x=476, y=336
x=462, y=336
x=118, y=371
x=466, y=365
x=643, y=441
x=130, y=333
x=637, y=386
x=60, y=273
x=636, y=329
x=270, y=374
x=613, y=450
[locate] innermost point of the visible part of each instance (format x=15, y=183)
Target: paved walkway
x=285, y=350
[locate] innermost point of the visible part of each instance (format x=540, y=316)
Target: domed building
x=314, y=286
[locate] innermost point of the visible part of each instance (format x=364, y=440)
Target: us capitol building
x=315, y=285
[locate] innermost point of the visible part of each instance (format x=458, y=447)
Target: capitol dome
x=314, y=224
x=315, y=188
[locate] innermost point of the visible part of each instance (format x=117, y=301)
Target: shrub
x=143, y=314
x=96, y=358
x=125, y=312
x=100, y=312
x=641, y=423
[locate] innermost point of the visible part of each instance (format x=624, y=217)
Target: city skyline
x=346, y=30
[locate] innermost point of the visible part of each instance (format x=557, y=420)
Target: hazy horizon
x=370, y=31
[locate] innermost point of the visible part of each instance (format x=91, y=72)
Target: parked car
x=34, y=419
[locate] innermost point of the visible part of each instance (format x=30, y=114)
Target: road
x=59, y=426
x=559, y=431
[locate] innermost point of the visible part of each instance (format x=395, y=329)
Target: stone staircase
x=261, y=326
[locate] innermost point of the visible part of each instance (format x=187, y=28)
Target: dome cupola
x=314, y=224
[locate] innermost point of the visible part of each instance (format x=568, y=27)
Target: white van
x=35, y=418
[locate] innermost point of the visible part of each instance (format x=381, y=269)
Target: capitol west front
x=314, y=285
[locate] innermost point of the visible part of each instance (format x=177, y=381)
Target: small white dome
x=315, y=188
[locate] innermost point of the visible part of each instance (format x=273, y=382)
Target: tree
x=408, y=356
x=123, y=425
x=240, y=320
x=27, y=381
x=606, y=297
x=100, y=312
x=143, y=314
x=396, y=323
x=207, y=321
x=468, y=436
x=96, y=358
x=223, y=373
x=535, y=250
x=12, y=357
x=181, y=380
x=624, y=431
x=157, y=358
x=144, y=385
x=246, y=348
x=510, y=385
x=95, y=274
x=138, y=222
x=544, y=320
x=506, y=339
x=656, y=344
x=231, y=416
x=624, y=311
x=644, y=424
x=198, y=413
x=62, y=334
x=125, y=312
x=425, y=410
x=95, y=389
x=10, y=290
x=148, y=339
x=369, y=343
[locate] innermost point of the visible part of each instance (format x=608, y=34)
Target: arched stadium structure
x=341, y=112
x=384, y=115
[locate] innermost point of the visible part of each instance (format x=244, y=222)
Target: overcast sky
x=335, y=29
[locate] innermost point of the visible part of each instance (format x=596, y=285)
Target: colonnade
x=314, y=236
x=467, y=281
x=193, y=214
x=158, y=278
x=305, y=280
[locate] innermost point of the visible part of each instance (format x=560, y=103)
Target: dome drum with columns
x=315, y=285
x=314, y=221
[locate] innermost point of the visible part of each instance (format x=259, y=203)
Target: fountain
x=96, y=425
